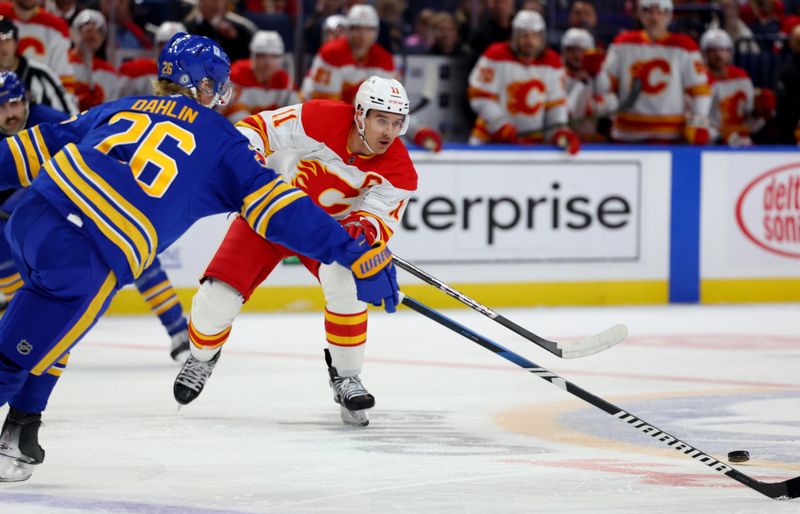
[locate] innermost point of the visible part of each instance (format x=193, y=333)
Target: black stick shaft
x=783, y=490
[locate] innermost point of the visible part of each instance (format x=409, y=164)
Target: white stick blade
x=593, y=344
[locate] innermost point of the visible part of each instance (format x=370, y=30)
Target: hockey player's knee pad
x=215, y=306
x=339, y=287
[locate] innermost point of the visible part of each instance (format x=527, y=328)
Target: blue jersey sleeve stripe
x=19, y=162
x=148, y=243
x=262, y=224
x=77, y=330
x=66, y=186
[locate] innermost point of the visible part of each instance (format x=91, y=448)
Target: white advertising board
x=750, y=215
x=533, y=215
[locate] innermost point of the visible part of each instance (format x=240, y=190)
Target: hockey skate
x=351, y=395
x=179, y=348
x=192, y=378
x=19, y=446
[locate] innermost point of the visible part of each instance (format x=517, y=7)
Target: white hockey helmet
x=168, y=29
x=267, y=42
x=381, y=94
x=581, y=38
x=528, y=21
x=333, y=22
x=665, y=5
x=362, y=15
x=716, y=39
x=84, y=18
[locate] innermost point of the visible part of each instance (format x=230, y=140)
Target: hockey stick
x=786, y=490
x=565, y=350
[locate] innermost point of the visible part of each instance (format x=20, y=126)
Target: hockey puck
x=739, y=456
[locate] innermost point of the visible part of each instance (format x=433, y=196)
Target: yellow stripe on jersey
x=263, y=200
x=40, y=145
x=263, y=224
x=19, y=162
x=86, y=208
x=257, y=125
x=141, y=231
x=80, y=327
x=30, y=153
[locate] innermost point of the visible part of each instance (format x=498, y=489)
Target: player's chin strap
x=361, y=130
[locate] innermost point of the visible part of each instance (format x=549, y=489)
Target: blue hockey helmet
x=196, y=61
x=11, y=87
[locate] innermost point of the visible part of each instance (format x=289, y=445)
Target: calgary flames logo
x=654, y=75
x=731, y=109
x=326, y=189
x=525, y=97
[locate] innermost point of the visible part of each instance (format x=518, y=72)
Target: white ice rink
x=455, y=429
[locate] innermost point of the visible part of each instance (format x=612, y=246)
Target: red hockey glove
x=696, y=134
x=568, y=140
x=765, y=103
x=505, y=134
x=429, y=139
x=592, y=62
x=356, y=225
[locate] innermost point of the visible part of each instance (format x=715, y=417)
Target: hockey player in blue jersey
x=112, y=187
x=18, y=113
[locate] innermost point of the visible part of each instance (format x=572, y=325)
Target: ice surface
x=455, y=429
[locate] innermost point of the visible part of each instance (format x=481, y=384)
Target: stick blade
x=593, y=344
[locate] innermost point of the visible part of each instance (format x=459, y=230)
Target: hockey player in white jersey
x=582, y=63
x=669, y=69
x=349, y=159
x=737, y=108
x=517, y=90
x=260, y=82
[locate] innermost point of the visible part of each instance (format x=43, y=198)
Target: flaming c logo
x=30, y=42
x=731, y=109
x=518, y=97
x=645, y=69
x=326, y=189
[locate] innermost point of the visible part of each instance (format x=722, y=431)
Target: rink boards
x=613, y=225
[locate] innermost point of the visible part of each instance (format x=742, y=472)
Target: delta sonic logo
x=768, y=211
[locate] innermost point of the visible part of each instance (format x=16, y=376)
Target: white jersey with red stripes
x=137, y=76
x=43, y=38
x=94, y=85
x=307, y=144
x=335, y=74
x=670, y=71
x=732, y=97
x=529, y=94
x=251, y=96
